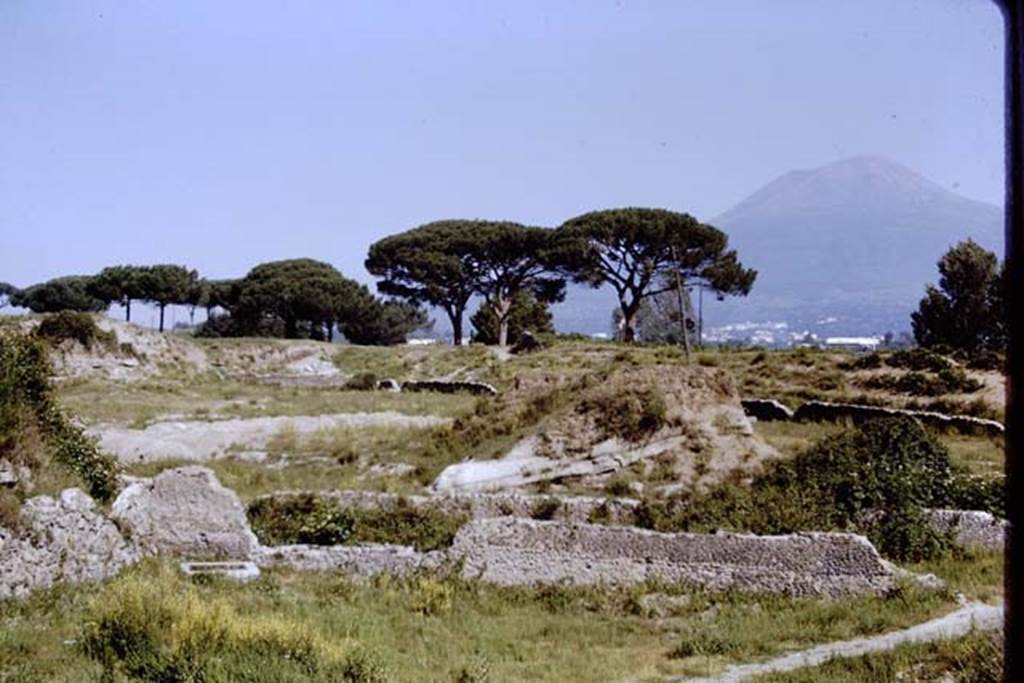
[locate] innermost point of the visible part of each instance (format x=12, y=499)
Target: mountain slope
x=858, y=238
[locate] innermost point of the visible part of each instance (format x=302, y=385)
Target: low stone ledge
x=825, y=411
x=511, y=551
x=359, y=560
x=450, y=387
x=766, y=409
x=971, y=528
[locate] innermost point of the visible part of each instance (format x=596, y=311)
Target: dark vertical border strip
x=1013, y=13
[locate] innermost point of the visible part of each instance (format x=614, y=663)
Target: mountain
x=842, y=249
x=857, y=239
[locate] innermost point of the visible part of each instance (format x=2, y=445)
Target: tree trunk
x=502, y=307
x=192, y=316
x=629, y=320
x=290, y=329
x=162, y=307
x=127, y=310
x=330, y=330
x=456, y=319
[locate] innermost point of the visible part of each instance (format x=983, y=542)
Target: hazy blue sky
x=221, y=134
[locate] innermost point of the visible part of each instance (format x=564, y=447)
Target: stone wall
x=512, y=551
x=971, y=528
x=450, y=387
x=826, y=411
x=766, y=409
x=65, y=540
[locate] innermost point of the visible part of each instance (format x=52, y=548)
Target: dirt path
x=203, y=440
x=958, y=623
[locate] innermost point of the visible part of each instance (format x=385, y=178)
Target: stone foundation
x=516, y=551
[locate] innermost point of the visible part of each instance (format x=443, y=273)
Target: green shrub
x=303, y=518
x=27, y=407
x=987, y=360
x=545, y=508
x=948, y=380
x=81, y=327
x=874, y=479
x=309, y=518
x=869, y=361
x=424, y=528
x=918, y=358
x=364, y=381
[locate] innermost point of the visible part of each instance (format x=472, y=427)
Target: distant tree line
x=639, y=252
x=292, y=298
x=517, y=270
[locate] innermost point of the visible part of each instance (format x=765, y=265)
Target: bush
x=874, y=479
x=81, y=327
x=424, y=528
x=308, y=518
x=545, y=508
x=303, y=518
x=27, y=408
x=948, y=380
x=918, y=358
x=987, y=360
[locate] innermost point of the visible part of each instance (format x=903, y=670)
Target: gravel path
x=203, y=440
x=958, y=623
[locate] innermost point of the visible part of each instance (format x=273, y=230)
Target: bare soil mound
x=683, y=425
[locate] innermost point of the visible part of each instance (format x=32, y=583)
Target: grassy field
x=976, y=657
x=139, y=403
x=451, y=630
x=441, y=629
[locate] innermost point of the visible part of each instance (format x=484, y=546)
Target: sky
x=223, y=134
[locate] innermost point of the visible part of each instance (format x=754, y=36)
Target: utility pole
x=682, y=309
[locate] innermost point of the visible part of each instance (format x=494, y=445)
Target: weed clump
x=167, y=630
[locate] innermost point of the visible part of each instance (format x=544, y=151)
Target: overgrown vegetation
x=875, y=479
x=81, y=327
x=35, y=431
x=308, y=518
x=158, y=628
x=447, y=626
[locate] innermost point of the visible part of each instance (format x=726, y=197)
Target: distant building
x=857, y=344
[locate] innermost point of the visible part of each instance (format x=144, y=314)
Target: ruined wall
x=826, y=411
x=971, y=528
x=512, y=551
x=450, y=387
x=66, y=540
